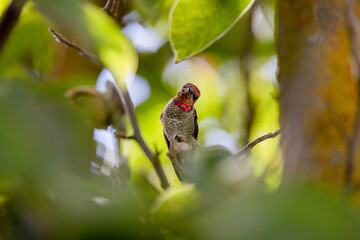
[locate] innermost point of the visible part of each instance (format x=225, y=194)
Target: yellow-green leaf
x=115, y=51
x=96, y=30
x=195, y=24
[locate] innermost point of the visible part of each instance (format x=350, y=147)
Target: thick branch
x=73, y=45
x=9, y=19
x=252, y=144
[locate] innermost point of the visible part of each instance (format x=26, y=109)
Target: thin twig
x=94, y=59
x=116, y=8
x=245, y=59
x=122, y=135
x=9, y=19
x=252, y=144
x=108, y=6
x=111, y=7
x=154, y=158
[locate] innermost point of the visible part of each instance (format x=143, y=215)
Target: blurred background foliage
x=53, y=183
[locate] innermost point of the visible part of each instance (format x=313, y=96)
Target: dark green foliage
x=47, y=187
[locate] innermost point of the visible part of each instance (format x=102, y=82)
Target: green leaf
x=196, y=24
x=96, y=30
x=67, y=14
x=35, y=52
x=114, y=49
x=175, y=201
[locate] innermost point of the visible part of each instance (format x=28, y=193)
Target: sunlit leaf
x=196, y=24
x=115, y=51
x=3, y=5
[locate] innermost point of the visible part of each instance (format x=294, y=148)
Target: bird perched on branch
x=180, y=126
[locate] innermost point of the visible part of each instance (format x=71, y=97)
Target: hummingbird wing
x=162, y=121
x=196, y=126
x=166, y=140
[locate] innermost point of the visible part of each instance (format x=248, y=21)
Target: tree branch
x=252, y=144
x=154, y=158
x=116, y=8
x=245, y=59
x=112, y=7
x=94, y=59
x=9, y=19
x=108, y=6
x=122, y=135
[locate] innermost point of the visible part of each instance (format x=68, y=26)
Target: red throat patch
x=187, y=97
x=184, y=106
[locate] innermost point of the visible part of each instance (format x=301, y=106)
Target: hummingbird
x=180, y=127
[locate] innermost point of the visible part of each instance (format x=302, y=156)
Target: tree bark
x=318, y=78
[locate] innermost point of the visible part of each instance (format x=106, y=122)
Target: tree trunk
x=318, y=77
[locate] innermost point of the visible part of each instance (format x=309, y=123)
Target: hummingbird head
x=191, y=89
x=187, y=97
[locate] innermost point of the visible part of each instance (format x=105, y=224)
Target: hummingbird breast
x=178, y=122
